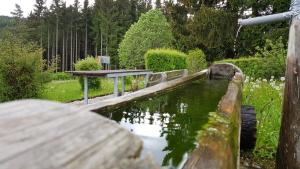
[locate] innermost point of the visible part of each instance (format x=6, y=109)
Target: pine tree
x=86, y=17
x=56, y=9
x=19, y=28
x=18, y=12
x=76, y=21
x=39, y=9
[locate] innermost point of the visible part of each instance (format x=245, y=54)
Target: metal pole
x=86, y=98
x=116, y=86
x=146, y=80
x=123, y=86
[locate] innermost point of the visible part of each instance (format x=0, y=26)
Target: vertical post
x=288, y=153
x=185, y=73
x=146, y=80
x=116, y=90
x=123, y=86
x=86, y=98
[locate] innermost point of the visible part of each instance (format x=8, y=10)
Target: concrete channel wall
x=160, y=77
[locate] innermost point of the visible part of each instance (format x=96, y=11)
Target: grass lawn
x=70, y=90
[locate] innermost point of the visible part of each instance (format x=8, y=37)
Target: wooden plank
x=107, y=72
x=61, y=136
x=288, y=155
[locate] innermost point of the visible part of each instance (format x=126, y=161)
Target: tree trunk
x=48, y=54
x=86, y=38
x=76, y=45
x=56, y=45
x=41, y=37
x=96, y=49
x=71, y=49
x=53, y=49
x=67, y=52
x=63, y=53
x=101, y=43
x=106, y=46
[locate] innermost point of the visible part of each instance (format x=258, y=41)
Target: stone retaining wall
x=160, y=77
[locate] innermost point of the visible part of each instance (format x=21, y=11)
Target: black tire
x=248, y=127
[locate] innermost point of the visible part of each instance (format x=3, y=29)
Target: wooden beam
x=46, y=135
x=219, y=141
x=288, y=154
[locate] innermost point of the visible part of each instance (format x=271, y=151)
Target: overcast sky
x=6, y=6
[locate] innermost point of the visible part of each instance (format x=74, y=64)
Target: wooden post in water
x=288, y=154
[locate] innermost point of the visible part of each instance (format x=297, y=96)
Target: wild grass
x=266, y=96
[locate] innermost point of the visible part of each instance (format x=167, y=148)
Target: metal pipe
x=294, y=12
x=266, y=19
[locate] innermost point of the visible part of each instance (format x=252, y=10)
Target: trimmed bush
x=258, y=67
x=21, y=68
x=151, y=31
x=269, y=61
x=61, y=76
x=89, y=63
x=159, y=60
x=196, y=61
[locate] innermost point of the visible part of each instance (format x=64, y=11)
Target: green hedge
x=61, y=76
x=159, y=60
x=259, y=67
x=89, y=63
x=196, y=61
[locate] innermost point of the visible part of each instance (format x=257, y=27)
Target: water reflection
x=168, y=124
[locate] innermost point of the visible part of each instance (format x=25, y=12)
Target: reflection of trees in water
x=180, y=113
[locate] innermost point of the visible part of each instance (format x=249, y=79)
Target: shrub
x=21, y=68
x=269, y=61
x=258, y=67
x=151, y=31
x=159, y=60
x=89, y=63
x=61, y=76
x=196, y=60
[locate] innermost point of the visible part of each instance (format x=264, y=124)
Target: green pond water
x=169, y=123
